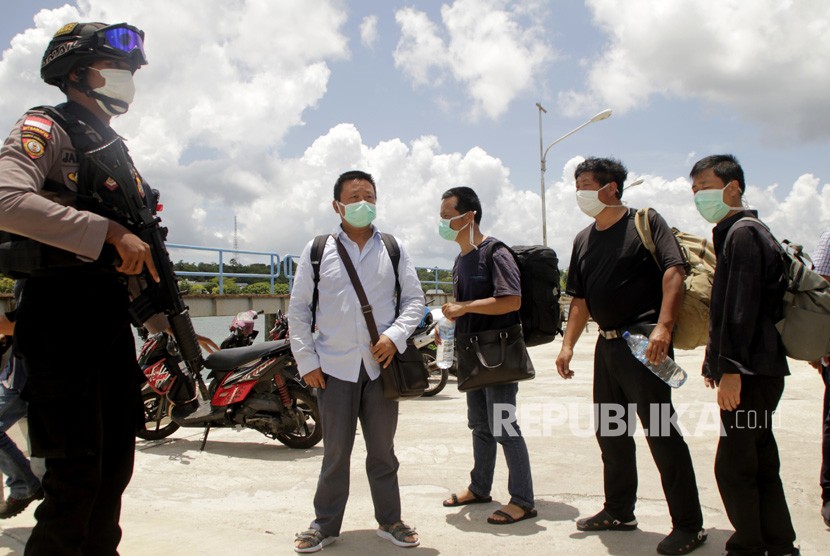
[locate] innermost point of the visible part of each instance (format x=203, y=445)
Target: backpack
x=692, y=327
x=316, y=255
x=805, y=326
x=540, y=311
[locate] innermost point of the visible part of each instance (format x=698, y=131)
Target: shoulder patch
x=33, y=145
x=38, y=125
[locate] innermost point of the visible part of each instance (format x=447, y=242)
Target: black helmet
x=81, y=43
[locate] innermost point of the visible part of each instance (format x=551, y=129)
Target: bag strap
x=394, y=251
x=644, y=231
x=317, y=248
x=316, y=255
x=503, y=344
x=358, y=288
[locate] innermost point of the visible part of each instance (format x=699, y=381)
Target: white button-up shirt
x=342, y=340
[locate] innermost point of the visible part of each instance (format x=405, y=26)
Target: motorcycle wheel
x=437, y=376
x=311, y=431
x=157, y=421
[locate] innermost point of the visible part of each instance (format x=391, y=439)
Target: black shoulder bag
x=406, y=376
x=492, y=357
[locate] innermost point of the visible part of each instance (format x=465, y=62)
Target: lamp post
x=544, y=153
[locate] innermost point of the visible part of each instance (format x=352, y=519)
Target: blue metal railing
x=274, y=265
x=288, y=272
x=278, y=266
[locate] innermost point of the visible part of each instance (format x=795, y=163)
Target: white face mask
x=118, y=85
x=589, y=202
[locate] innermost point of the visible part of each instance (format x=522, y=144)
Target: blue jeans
x=21, y=481
x=491, y=415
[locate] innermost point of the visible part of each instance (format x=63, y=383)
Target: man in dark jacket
x=745, y=360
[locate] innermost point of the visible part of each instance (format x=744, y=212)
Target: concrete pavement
x=246, y=494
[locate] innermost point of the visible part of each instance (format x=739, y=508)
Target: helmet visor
x=124, y=38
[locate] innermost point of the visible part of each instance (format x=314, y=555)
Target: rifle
x=112, y=162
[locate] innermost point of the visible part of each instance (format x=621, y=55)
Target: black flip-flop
x=476, y=499
x=509, y=519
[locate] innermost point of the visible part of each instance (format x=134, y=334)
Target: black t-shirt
x=478, y=276
x=617, y=276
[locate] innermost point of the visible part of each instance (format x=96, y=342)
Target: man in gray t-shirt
x=487, y=288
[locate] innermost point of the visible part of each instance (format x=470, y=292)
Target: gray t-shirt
x=486, y=272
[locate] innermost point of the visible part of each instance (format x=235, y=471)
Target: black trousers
x=619, y=381
x=825, y=439
x=747, y=472
x=84, y=399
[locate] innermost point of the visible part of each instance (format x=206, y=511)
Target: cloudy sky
x=251, y=108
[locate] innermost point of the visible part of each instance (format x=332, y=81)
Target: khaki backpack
x=692, y=327
x=805, y=326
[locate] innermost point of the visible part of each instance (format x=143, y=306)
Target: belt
x=611, y=334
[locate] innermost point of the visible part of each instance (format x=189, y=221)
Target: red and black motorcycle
x=254, y=386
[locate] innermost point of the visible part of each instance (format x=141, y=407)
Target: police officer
x=73, y=329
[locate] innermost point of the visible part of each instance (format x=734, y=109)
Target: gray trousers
x=341, y=404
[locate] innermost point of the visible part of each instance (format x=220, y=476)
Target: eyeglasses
x=124, y=38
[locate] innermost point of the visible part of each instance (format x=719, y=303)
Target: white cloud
x=369, y=31
x=764, y=59
x=222, y=90
x=490, y=47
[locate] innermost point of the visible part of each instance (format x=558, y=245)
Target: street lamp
x=544, y=153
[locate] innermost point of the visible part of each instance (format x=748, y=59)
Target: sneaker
x=681, y=542
x=825, y=513
x=313, y=540
x=13, y=506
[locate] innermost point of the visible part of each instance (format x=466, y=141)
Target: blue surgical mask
x=444, y=229
x=710, y=205
x=359, y=214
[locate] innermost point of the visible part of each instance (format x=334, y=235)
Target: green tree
x=258, y=288
x=6, y=284
x=198, y=289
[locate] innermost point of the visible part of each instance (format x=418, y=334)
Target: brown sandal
x=454, y=502
x=509, y=519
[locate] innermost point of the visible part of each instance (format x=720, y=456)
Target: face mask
x=589, y=202
x=444, y=229
x=710, y=205
x=359, y=214
x=118, y=86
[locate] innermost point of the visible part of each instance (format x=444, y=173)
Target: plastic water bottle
x=669, y=371
x=446, y=349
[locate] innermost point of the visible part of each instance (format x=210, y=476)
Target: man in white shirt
x=340, y=360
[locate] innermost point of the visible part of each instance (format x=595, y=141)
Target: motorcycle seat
x=231, y=358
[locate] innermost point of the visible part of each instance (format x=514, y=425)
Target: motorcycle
x=257, y=387
x=424, y=340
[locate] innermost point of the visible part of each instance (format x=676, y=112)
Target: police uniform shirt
x=37, y=150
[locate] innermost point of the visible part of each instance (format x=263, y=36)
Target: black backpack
x=316, y=256
x=540, y=311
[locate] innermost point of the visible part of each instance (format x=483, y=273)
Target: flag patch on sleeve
x=38, y=126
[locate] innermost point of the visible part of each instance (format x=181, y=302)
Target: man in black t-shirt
x=488, y=294
x=614, y=279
